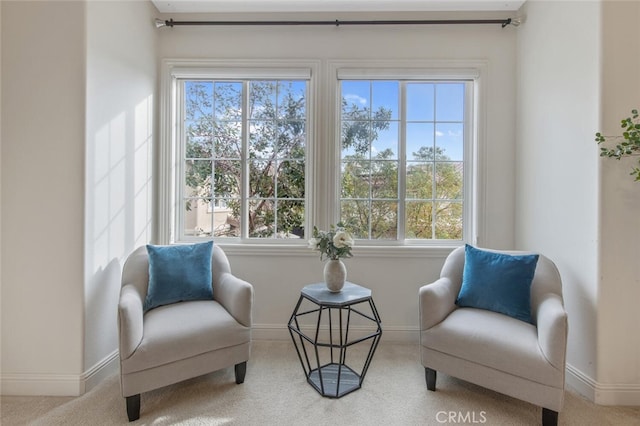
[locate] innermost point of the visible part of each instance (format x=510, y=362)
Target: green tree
x=363, y=171
x=435, y=187
x=277, y=137
x=276, y=166
x=360, y=126
x=370, y=192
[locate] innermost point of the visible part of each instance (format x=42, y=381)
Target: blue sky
x=434, y=112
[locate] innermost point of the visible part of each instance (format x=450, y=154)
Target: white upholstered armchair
x=525, y=360
x=178, y=341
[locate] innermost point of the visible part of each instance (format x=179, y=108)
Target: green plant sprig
x=629, y=142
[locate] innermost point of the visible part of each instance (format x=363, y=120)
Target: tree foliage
x=275, y=162
x=276, y=153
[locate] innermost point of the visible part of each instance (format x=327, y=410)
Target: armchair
x=178, y=341
x=520, y=359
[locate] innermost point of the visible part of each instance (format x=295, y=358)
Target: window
x=242, y=151
x=259, y=151
x=404, y=156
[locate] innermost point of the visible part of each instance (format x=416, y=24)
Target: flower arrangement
x=333, y=244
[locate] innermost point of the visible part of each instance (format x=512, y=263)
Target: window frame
x=171, y=159
x=323, y=148
x=446, y=71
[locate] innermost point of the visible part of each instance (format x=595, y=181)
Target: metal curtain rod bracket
x=504, y=22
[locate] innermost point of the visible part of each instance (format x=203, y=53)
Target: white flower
x=313, y=243
x=342, y=239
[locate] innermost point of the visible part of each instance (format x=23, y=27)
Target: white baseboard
x=58, y=384
x=602, y=393
x=618, y=394
x=41, y=384
x=101, y=370
x=275, y=332
x=580, y=382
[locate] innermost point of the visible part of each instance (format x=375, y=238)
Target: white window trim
x=411, y=69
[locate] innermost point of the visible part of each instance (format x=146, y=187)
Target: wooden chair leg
x=241, y=371
x=133, y=407
x=549, y=417
x=430, y=376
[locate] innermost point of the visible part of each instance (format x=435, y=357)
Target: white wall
x=278, y=276
x=619, y=287
x=580, y=211
x=43, y=100
x=556, y=202
x=121, y=87
x=78, y=96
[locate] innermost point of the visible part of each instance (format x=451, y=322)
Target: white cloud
x=355, y=99
x=450, y=133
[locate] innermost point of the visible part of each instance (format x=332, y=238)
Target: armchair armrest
x=552, y=329
x=130, y=320
x=436, y=300
x=236, y=296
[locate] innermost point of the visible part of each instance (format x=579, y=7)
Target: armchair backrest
x=136, y=271
x=545, y=280
x=219, y=266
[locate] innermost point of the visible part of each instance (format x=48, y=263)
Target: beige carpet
x=275, y=393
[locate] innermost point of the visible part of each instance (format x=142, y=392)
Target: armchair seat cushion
x=496, y=341
x=183, y=330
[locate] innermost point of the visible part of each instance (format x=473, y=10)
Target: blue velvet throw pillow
x=498, y=282
x=178, y=273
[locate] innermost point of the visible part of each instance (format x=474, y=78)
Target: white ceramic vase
x=335, y=274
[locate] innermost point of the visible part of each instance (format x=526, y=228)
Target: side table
x=321, y=340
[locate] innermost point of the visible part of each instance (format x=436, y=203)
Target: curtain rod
x=504, y=22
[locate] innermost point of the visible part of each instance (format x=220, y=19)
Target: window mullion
x=244, y=197
x=276, y=163
x=181, y=166
x=402, y=162
x=468, y=232
x=434, y=171
x=370, y=225
x=212, y=190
